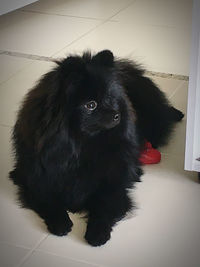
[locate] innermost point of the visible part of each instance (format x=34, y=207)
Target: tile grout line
x=129, y=4
x=26, y=257
x=83, y=35
x=62, y=15
x=167, y=75
x=70, y=258
x=14, y=245
x=27, y=56
x=5, y=125
x=52, y=59
x=14, y=74
x=176, y=90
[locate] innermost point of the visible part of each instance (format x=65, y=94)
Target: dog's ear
x=104, y=57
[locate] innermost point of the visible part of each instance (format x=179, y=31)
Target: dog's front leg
x=105, y=210
x=58, y=222
x=54, y=215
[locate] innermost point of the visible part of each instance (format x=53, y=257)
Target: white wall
x=9, y=5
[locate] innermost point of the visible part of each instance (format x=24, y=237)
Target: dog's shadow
x=78, y=229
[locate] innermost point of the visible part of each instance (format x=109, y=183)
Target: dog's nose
x=116, y=117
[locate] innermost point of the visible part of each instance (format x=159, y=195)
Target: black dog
x=78, y=137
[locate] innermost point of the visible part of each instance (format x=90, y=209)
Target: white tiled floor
x=155, y=32
x=165, y=230
x=95, y=9
x=33, y=32
x=141, y=44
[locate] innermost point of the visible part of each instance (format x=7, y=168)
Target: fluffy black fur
x=72, y=155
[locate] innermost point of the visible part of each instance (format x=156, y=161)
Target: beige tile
x=88, y=8
x=46, y=259
x=17, y=226
x=13, y=91
x=179, y=99
x=158, y=12
x=40, y=34
x=176, y=145
x=10, y=255
x=164, y=49
x=9, y=66
x=140, y=43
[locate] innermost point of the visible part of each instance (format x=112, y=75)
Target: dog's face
x=95, y=96
x=100, y=108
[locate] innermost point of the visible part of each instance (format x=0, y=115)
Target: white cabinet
x=10, y=5
x=192, y=153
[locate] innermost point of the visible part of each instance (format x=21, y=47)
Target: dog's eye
x=91, y=105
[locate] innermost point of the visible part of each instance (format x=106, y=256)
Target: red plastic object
x=150, y=155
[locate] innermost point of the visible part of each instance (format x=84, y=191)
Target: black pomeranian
x=78, y=137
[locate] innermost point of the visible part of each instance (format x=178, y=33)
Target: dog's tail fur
x=176, y=114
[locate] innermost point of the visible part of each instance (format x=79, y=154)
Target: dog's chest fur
x=99, y=168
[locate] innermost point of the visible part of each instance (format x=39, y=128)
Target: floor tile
x=40, y=34
x=46, y=259
x=140, y=43
x=179, y=99
x=10, y=255
x=176, y=145
x=161, y=225
x=104, y=37
x=165, y=55
x=88, y=8
x=17, y=226
x=9, y=66
x=170, y=13
x=13, y=91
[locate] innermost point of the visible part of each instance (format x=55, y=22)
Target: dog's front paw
x=60, y=225
x=97, y=236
